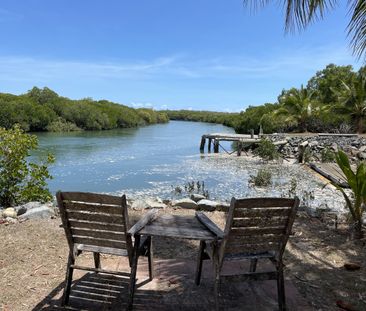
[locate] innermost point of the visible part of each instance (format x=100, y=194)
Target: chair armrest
x=210, y=225
x=148, y=217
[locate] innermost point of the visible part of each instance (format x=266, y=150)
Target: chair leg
x=131, y=288
x=217, y=269
x=253, y=265
x=281, y=289
x=199, y=262
x=68, y=280
x=150, y=259
x=97, y=260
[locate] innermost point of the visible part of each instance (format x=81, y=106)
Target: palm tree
x=300, y=13
x=352, y=100
x=298, y=106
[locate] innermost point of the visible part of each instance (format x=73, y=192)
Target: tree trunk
x=359, y=125
x=357, y=230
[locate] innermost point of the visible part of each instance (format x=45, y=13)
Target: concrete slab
x=173, y=288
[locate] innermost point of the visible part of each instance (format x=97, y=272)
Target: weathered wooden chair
x=255, y=229
x=98, y=223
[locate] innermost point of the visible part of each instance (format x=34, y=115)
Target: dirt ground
x=33, y=257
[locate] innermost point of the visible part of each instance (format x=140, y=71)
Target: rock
x=313, y=143
x=334, y=146
x=184, y=203
x=9, y=212
x=196, y=197
x=21, y=209
x=11, y=220
x=43, y=211
x=207, y=205
x=139, y=204
x=352, y=266
x=361, y=155
x=155, y=203
x=146, y=204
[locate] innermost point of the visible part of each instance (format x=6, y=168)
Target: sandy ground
x=33, y=258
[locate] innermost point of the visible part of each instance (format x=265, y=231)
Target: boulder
x=43, y=211
x=362, y=149
x=207, y=205
x=184, y=203
x=155, y=203
x=11, y=220
x=9, y=212
x=361, y=155
x=197, y=197
x=146, y=204
x=139, y=204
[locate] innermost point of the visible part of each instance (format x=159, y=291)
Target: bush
x=61, y=125
x=327, y=156
x=263, y=178
x=266, y=150
x=21, y=180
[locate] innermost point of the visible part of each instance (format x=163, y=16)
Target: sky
x=164, y=54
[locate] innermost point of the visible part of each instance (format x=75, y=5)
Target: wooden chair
x=255, y=229
x=98, y=223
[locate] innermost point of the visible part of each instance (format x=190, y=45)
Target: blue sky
x=192, y=54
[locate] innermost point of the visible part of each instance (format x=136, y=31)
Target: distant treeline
x=333, y=100
x=44, y=110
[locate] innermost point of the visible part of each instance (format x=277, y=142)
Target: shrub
x=266, y=150
x=327, y=156
x=61, y=125
x=20, y=179
x=263, y=178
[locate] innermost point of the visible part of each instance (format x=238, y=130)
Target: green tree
x=301, y=13
x=20, y=179
x=329, y=79
x=298, y=106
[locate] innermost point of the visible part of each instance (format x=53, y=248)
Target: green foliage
x=327, y=155
x=266, y=150
x=191, y=187
x=44, y=110
x=357, y=182
x=20, y=180
x=262, y=179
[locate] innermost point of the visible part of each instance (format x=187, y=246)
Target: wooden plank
x=76, y=223
x=264, y=202
x=332, y=172
x=101, y=234
x=100, y=270
x=248, y=248
x=179, y=221
x=103, y=250
x=254, y=239
x=91, y=198
x=99, y=242
x=178, y=232
x=94, y=207
x=261, y=212
x=255, y=276
x=147, y=218
x=257, y=231
x=112, y=219
x=210, y=225
x=260, y=222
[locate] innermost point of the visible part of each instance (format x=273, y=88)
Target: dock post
x=239, y=146
x=209, y=145
x=260, y=130
x=203, y=141
x=251, y=133
x=216, y=146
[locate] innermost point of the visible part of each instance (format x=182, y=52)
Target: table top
x=176, y=226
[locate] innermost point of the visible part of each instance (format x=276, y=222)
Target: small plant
x=266, y=150
x=327, y=156
x=307, y=156
x=357, y=182
x=191, y=187
x=20, y=180
x=293, y=187
x=262, y=179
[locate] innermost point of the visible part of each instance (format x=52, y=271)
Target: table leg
x=131, y=288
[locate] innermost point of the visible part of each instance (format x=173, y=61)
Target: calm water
x=155, y=160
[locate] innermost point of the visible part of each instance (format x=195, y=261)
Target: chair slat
x=85, y=224
x=249, y=248
x=253, y=239
x=257, y=231
x=264, y=202
x=101, y=234
x=99, y=242
x=261, y=212
x=94, y=208
x=91, y=198
x=259, y=222
x=112, y=219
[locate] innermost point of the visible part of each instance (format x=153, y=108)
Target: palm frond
x=357, y=26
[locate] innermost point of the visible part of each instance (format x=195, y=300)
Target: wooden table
x=198, y=227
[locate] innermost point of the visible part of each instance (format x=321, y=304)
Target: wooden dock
x=215, y=139
x=332, y=172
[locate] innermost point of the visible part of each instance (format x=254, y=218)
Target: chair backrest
x=258, y=225
x=95, y=219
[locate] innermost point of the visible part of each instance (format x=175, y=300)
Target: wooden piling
x=209, y=144
x=239, y=146
x=251, y=133
x=203, y=141
x=216, y=146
